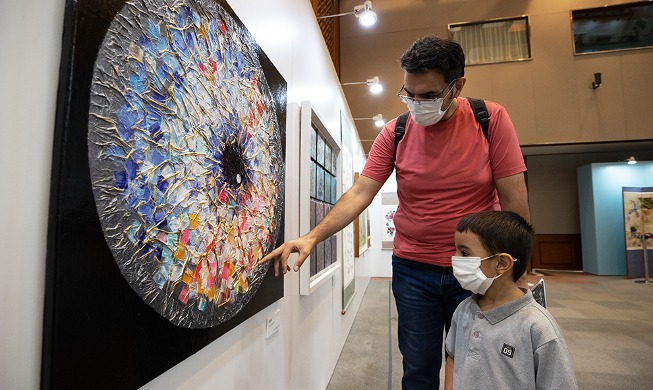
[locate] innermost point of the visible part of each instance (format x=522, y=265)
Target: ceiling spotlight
x=375, y=86
x=378, y=120
x=363, y=13
x=631, y=160
x=373, y=83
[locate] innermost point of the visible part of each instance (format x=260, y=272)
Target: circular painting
x=186, y=158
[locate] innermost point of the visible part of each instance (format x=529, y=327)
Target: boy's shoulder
x=543, y=325
x=533, y=317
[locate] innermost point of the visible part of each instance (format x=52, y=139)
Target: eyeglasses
x=431, y=97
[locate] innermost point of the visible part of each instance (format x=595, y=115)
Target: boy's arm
x=448, y=374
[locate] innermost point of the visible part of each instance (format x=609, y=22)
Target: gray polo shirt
x=517, y=345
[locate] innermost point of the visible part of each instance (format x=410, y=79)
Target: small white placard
x=272, y=323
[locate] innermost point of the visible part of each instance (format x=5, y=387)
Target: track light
x=631, y=160
x=373, y=83
x=363, y=13
x=378, y=120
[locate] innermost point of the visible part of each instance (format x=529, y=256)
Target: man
x=445, y=169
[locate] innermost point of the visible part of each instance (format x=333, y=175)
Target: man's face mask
x=427, y=112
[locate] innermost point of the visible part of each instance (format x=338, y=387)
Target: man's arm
x=513, y=195
x=348, y=207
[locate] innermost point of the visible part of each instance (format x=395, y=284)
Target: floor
x=607, y=322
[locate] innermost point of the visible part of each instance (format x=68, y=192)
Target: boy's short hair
x=444, y=56
x=502, y=232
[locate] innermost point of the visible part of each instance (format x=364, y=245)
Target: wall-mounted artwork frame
x=348, y=233
x=389, y=205
x=99, y=330
x=610, y=28
x=361, y=230
x=638, y=223
x=320, y=174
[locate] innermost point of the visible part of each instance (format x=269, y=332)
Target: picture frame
x=638, y=224
x=348, y=233
x=389, y=205
x=361, y=230
x=323, y=169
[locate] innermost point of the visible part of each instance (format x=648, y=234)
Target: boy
x=500, y=338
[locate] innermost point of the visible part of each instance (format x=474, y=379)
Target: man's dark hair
x=502, y=232
x=444, y=56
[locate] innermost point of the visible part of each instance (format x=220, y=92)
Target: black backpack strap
x=481, y=114
x=400, y=128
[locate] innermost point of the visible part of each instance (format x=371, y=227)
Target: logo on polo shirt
x=508, y=350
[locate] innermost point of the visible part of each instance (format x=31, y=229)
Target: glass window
x=613, y=27
x=492, y=41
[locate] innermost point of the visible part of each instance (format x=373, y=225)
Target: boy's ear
x=505, y=263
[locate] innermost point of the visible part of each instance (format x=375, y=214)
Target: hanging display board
x=348, y=265
x=638, y=222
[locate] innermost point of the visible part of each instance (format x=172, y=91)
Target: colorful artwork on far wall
x=638, y=229
x=167, y=188
x=389, y=204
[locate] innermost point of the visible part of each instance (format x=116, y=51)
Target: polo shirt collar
x=504, y=311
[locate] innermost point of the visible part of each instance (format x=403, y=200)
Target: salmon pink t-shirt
x=444, y=172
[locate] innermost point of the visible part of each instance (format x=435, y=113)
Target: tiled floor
x=607, y=322
x=608, y=325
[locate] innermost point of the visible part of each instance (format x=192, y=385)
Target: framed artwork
x=319, y=153
x=348, y=265
x=167, y=188
x=389, y=204
x=638, y=223
x=361, y=230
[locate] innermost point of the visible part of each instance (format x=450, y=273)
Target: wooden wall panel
x=557, y=252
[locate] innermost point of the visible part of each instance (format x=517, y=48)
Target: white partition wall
x=601, y=212
x=312, y=330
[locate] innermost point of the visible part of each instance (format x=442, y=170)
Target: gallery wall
x=303, y=352
x=30, y=38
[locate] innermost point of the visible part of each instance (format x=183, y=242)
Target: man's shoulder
x=492, y=106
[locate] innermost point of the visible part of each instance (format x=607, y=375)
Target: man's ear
x=459, y=84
